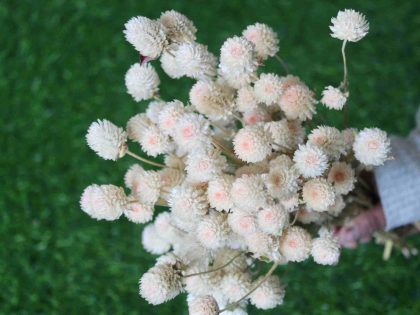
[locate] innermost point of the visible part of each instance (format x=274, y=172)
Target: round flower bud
x=169, y=63
x=160, y=284
x=269, y=294
x=252, y=144
x=203, y=305
x=333, y=98
x=178, y=27
x=310, y=160
x=137, y=125
x=165, y=229
x=147, y=36
x=218, y=192
x=371, y=146
x=245, y=100
x=170, y=115
x=326, y=250
x=349, y=25
x=268, y=88
x=152, y=242
x=154, y=142
x=318, y=194
x=191, y=132
x=204, y=164
x=144, y=185
x=264, y=38
x=142, y=81
x=213, y=230
x=139, y=213
x=297, y=102
x=341, y=175
x=295, y=244
x=195, y=61
x=237, y=55
x=107, y=140
x=273, y=219
x=329, y=139
x=105, y=202
x=242, y=222
x=248, y=192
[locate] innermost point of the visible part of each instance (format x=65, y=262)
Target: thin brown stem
x=215, y=269
x=144, y=160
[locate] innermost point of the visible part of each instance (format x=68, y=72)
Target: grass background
x=62, y=65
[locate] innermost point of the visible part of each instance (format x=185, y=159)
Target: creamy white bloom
x=192, y=131
x=262, y=244
x=144, y=185
x=107, y=140
x=237, y=55
x=142, y=81
x=318, y=194
x=269, y=294
x=139, y=213
x=326, y=249
x=248, y=192
x=372, y=146
x=153, y=110
x=310, y=160
x=295, y=244
x=273, y=219
x=297, y=102
x=329, y=139
x=235, y=285
x=170, y=115
x=213, y=230
x=165, y=229
x=268, y=88
x=147, y=36
x=282, y=180
x=242, y=222
x=154, y=142
x=137, y=125
x=195, y=61
x=159, y=284
x=152, y=242
x=218, y=192
x=264, y=38
x=252, y=144
x=245, y=99
x=104, y=202
x=333, y=98
x=341, y=175
x=349, y=25
x=170, y=64
x=178, y=27
x=290, y=203
x=203, y=305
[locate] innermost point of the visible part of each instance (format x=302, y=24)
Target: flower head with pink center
x=245, y=99
x=295, y=244
x=154, y=142
x=242, y=222
x=213, y=230
x=218, y=192
x=192, y=131
x=341, y=175
x=273, y=219
x=372, y=146
x=333, y=98
x=252, y=144
x=310, y=161
x=269, y=294
x=139, y=213
x=329, y=139
x=297, y=102
x=170, y=115
x=264, y=38
x=318, y=194
x=248, y=192
x=268, y=88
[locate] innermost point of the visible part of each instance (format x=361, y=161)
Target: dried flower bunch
x=246, y=179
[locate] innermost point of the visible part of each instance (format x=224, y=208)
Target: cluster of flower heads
x=245, y=180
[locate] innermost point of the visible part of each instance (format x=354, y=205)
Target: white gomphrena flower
x=142, y=81
x=256, y=115
x=341, y=175
x=209, y=99
x=263, y=244
x=281, y=138
x=333, y=98
x=169, y=178
x=218, y=192
x=268, y=88
x=273, y=219
x=237, y=56
x=104, y=202
x=192, y=131
x=107, y=140
x=139, y=213
x=188, y=204
x=318, y=194
x=195, y=61
x=154, y=142
x=282, y=180
x=349, y=25
x=202, y=284
x=160, y=284
x=242, y=222
x=295, y=244
x=203, y=305
x=264, y=38
x=153, y=110
x=269, y=294
x=325, y=249
x=338, y=206
x=248, y=192
x=203, y=165
x=290, y=203
x=310, y=161
x=170, y=64
x=170, y=115
x=252, y=143
x=349, y=135
x=137, y=125
x=245, y=99
x=306, y=217
x=372, y=147
x=178, y=27
x=235, y=285
x=297, y=102
x=152, y=242
x=213, y=230
x=281, y=160
x=165, y=229
x=144, y=185
x=329, y=139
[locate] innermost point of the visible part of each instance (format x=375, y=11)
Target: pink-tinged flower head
x=326, y=249
x=318, y=194
x=295, y=244
x=213, y=230
x=203, y=305
x=144, y=185
x=264, y=38
x=372, y=147
x=256, y=115
x=170, y=115
x=237, y=55
x=329, y=139
x=268, y=88
x=242, y=222
x=333, y=98
x=152, y=242
x=273, y=219
x=269, y=294
x=245, y=100
x=139, y=213
x=341, y=175
x=252, y=144
x=154, y=142
x=218, y=192
x=297, y=102
x=192, y=131
x=248, y=192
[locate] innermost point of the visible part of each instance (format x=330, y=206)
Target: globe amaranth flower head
x=142, y=81
x=203, y=305
x=333, y=98
x=178, y=27
x=268, y=295
x=349, y=25
x=264, y=38
x=372, y=146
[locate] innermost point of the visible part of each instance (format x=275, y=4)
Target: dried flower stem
x=345, y=84
x=157, y=98
x=283, y=64
x=226, y=151
x=267, y=275
x=144, y=160
x=216, y=269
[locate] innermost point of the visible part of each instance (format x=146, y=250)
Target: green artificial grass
x=62, y=65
